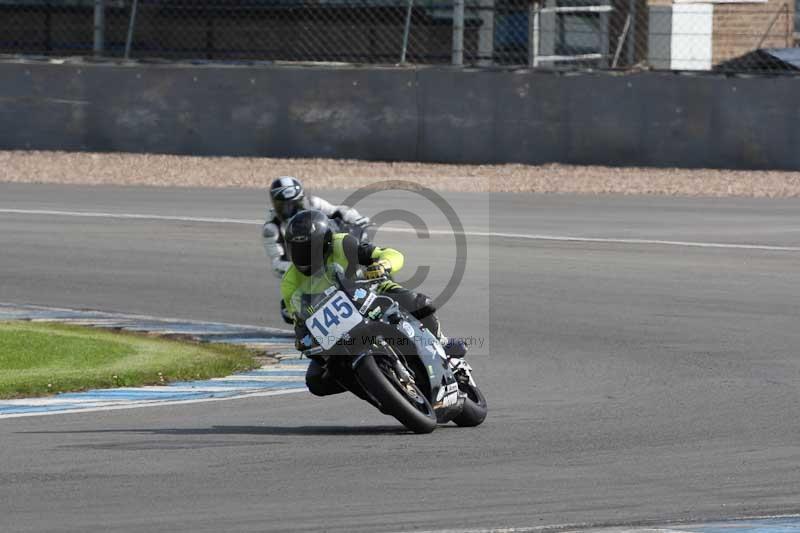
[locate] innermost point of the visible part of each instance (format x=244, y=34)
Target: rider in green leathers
x=313, y=249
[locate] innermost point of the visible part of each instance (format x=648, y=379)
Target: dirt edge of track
x=190, y=171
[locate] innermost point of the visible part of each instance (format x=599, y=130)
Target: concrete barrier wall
x=425, y=114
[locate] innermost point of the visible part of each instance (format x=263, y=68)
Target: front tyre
x=410, y=407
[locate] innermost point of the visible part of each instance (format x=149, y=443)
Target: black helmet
x=308, y=239
x=287, y=197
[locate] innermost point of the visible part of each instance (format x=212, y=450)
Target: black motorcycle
x=384, y=355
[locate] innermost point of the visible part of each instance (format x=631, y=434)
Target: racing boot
x=454, y=347
x=422, y=308
x=319, y=380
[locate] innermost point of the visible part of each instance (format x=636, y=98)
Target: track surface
x=626, y=382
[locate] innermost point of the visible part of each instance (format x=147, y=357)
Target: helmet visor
x=300, y=255
x=307, y=256
x=287, y=199
x=286, y=209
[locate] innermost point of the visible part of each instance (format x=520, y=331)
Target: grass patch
x=41, y=358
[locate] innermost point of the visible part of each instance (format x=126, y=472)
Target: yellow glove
x=377, y=270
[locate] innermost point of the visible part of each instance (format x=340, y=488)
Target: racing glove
x=279, y=267
x=302, y=338
x=377, y=270
x=351, y=216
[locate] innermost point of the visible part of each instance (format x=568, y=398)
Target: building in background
x=691, y=35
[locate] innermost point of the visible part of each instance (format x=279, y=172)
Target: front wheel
x=405, y=402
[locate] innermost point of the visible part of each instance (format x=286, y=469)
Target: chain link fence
x=730, y=36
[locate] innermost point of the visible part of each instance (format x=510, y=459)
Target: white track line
x=526, y=236
x=135, y=216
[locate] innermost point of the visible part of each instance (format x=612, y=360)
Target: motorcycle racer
x=313, y=249
x=289, y=198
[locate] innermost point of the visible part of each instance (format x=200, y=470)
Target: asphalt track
x=627, y=382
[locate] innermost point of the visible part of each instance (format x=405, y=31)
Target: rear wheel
x=475, y=407
x=404, y=401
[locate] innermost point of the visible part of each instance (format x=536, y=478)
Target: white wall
x=692, y=33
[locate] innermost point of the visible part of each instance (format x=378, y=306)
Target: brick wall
x=738, y=28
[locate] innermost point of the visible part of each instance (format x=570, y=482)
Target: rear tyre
x=410, y=407
x=475, y=408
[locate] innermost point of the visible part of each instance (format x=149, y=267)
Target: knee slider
x=316, y=388
x=316, y=383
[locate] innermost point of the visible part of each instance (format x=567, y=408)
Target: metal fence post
x=406, y=31
x=99, y=27
x=533, y=35
x=621, y=40
x=605, y=44
x=486, y=33
x=632, y=36
x=458, y=32
x=131, y=24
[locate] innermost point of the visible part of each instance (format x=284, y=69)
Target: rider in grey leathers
x=289, y=198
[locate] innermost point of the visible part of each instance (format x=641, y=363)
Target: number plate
x=331, y=322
